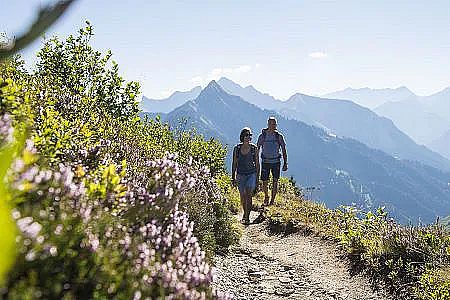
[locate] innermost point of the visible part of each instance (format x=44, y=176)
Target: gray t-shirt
x=271, y=147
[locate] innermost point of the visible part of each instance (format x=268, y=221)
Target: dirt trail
x=267, y=266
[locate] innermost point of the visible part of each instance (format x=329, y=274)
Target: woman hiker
x=245, y=171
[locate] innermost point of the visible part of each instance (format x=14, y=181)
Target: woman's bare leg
x=249, y=204
x=243, y=202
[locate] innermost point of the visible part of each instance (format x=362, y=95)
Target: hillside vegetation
x=105, y=205
x=413, y=261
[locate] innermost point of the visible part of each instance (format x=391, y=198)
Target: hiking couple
x=246, y=167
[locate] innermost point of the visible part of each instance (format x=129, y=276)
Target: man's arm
x=285, y=158
x=285, y=164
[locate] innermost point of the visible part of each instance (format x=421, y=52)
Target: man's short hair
x=272, y=118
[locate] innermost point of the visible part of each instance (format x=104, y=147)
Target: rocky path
x=267, y=266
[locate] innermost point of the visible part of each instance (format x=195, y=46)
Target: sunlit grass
x=414, y=261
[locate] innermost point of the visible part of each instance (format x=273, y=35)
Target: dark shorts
x=267, y=168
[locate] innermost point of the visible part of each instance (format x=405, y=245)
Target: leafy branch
x=46, y=17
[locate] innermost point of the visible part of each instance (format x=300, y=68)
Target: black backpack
x=237, y=148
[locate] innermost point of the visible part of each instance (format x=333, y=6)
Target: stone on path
x=284, y=279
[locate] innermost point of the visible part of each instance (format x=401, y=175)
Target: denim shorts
x=270, y=168
x=246, y=182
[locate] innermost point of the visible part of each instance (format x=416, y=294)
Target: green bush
x=231, y=193
x=434, y=284
x=214, y=225
x=103, y=210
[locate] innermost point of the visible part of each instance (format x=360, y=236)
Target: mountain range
x=426, y=119
x=250, y=94
x=343, y=118
x=412, y=118
x=170, y=103
x=372, y=98
x=442, y=144
x=346, y=170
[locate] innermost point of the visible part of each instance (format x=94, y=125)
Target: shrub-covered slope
x=106, y=205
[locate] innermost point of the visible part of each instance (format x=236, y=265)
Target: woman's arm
x=257, y=166
x=234, y=167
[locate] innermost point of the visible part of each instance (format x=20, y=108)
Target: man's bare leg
x=274, y=190
x=266, y=192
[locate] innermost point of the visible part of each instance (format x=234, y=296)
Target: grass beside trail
x=413, y=261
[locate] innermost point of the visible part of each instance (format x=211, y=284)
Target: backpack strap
x=277, y=137
x=237, y=148
x=253, y=149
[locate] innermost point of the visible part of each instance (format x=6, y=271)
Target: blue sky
x=280, y=47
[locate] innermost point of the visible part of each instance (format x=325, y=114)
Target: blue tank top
x=246, y=162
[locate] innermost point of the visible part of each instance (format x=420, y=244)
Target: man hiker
x=270, y=141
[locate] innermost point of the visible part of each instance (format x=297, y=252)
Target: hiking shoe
x=259, y=219
x=245, y=222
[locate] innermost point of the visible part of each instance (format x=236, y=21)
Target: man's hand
x=285, y=167
x=233, y=182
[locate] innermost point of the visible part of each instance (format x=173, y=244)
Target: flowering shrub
x=130, y=231
x=131, y=237
x=102, y=209
x=214, y=225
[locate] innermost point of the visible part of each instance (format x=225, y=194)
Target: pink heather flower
x=27, y=227
x=6, y=129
